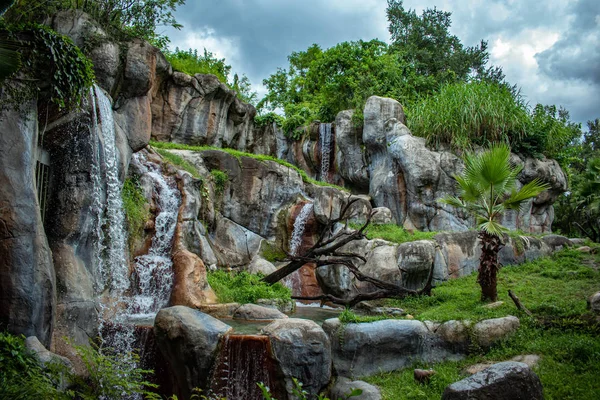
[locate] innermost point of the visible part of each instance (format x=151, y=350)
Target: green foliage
x=58, y=67
x=393, y=233
x=271, y=252
x=244, y=288
x=466, y=114
x=268, y=119
x=122, y=19
x=488, y=188
x=136, y=210
x=350, y=317
x=424, y=42
x=320, y=83
x=570, y=351
x=179, y=162
x=192, y=63
x=238, y=154
x=22, y=377
x=301, y=394
x=577, y=211
x=220, y=179
x=111, y=376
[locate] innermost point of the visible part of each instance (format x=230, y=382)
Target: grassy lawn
x=555, y=289
x=393, y=233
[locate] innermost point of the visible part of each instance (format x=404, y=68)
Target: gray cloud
x=256, y=36
x=576, y=55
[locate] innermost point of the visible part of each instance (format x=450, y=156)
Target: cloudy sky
x=551, y=49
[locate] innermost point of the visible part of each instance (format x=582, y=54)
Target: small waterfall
x=243, y=361
x=299, y=227
x=325, y=137
x=294, y=280
x=152, y=273
x=115, y=269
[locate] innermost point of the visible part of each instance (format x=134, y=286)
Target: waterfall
x=116, y=267
x=243, y=361
x=326, y=142
x=299, y=227
x=152, y=273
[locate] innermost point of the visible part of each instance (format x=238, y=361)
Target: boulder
x=235, y=245
x=27, y=279
x=503, y=381
x=188, y=340
x=369, y=348
x=416, y=259
x=303, y=351
x=259, y=265
x=350, y=160
x=344, y=386
x=45, y=356
x=382, y=215
x=254, y=312
x=490, y=331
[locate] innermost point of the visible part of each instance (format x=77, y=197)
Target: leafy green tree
x=131, y=18
x=425, y=42
x=488, y=188
x=10, y=61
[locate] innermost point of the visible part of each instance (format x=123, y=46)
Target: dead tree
x=326, y=252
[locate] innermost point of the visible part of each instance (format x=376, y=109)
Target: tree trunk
x=488, y=266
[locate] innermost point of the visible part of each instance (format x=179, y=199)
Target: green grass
x=244, y=288
x=555, y=290
x=238, y=154
x=464, y=114
x=219, y=178
x=136, y=210
x=393, y=233
x=179, y=162
x=349, y=317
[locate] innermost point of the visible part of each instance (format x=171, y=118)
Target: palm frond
x=10, y=60
x=492, y=227
x=529, y=190
x=453, y=201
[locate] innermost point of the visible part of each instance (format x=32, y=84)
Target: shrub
x=463, y=114
x=244, y=288
x=219, y=178
x=393, y=233
x=179, y=162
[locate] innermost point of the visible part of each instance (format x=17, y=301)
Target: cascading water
x=299, y=228
x=152, y=273
x=243, y=361
x=294, y=280
x=115, y=268
x=325, y=137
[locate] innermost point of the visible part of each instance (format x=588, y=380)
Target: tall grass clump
x=136, y=209
x=465, y=114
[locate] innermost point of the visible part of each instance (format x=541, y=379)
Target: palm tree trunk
x=488, y=266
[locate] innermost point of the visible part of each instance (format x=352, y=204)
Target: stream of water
x=325, y=137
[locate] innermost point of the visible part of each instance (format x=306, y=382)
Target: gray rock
x=383, y=215
x=303, y=351
x=254, y=312
x=235, y=244
x=350, y=158
x=490, y=331
x=594, y=302
x=507, y=380
x=416, y=259
x=344, y=386
x=259, y=265
x=27, y=280
x=188, y=340
x=370, y=348
x=44, y=355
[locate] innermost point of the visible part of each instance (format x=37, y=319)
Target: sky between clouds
x=550, y=49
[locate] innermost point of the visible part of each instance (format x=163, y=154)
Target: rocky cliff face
x=47, y=269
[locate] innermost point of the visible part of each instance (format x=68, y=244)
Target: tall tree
x=488, y=188
x=425, y=42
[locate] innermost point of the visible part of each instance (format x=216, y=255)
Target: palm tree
x=488, y=188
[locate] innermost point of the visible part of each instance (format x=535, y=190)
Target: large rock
x=27, y=280
x=254, y=312
x=503, y=381
x=489, y=331
x=416, y=259
x=370, y=348
x=594, y=302
x=344, y=386
x=409, y=178
x=350, y=160
x=188, y=340
x=303, y=351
